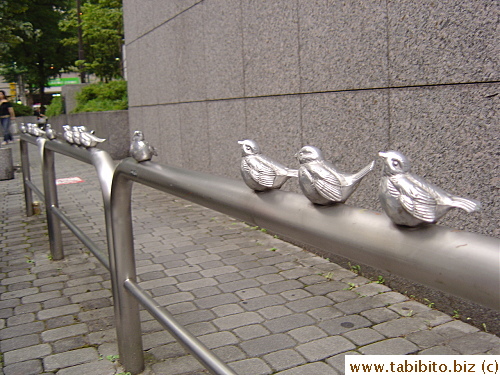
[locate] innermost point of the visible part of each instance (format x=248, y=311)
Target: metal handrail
x=104, y=167
x=430, y=255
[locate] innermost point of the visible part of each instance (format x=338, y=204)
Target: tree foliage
x=102, y=32
x=111, y=96
x=32, y=46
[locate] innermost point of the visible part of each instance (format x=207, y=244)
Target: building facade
x=350, y=77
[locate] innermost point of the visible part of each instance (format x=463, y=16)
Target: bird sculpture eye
x=395, y=163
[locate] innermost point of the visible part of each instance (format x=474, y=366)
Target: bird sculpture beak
x=241, y=142
x=382, y=154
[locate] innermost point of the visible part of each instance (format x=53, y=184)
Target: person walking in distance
x=6, y=114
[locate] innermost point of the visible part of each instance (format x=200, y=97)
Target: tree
x=102, y=33
x=33, y=48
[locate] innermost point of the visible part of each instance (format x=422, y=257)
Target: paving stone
x=68, y=344
x=325, y=347
x=252, y=366
x=171, y=350
x=18, y=279
x=33, y=367
x=196, y=317
x=379, y=315
x=267, y=344
x=258, y=271
x=21, y=330
x=433, y=317
x=282, y=286
x=217, y=339
x=344, y=324
x=271, y=279
x=309, y=369
x=101, y=368
x=262, y=302
x=324, y=288
x=19, y=342
x=229, y=353
x=63, y=332
x=58, y=311
x=439, y=350
x=252, y=331
x=454, y=329
x=98, y=294
x=228, y=309
x=363, y=336
x=71, y=358
x=357, y=305
x=396, y=346
x=338, y=361
x=293, y=295
x=273, y=312
x=310, y=303
x=400, y=327
x=171, y=299
x=239, y=285
x=217, y=300
x=425, y=339
x=26, y=353
x=306, y=334
x=20, y=319
x=409, y=308
x=342, y=295
x=21, y=294
x=325, y=313
x=238, y=320
x=284, y=359
x=389, y=298
x=196, y=284
x=250, y=293
x=474, y=343
x=180, y=365
x=287, y=323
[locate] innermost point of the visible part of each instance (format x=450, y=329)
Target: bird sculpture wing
x=414, y=197
x=326, y=181
x=260, y=170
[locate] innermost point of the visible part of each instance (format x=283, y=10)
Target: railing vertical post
x=49, y=186
x=25, y=168
x=122, y=266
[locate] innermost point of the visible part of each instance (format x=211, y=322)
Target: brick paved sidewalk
x=262, y=305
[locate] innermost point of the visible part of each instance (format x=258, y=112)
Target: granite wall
x=352, y=78
x=110, y=125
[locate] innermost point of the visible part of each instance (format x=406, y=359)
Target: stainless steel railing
x=460, y=263
x=126, y=294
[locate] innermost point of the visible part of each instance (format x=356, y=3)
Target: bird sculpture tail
x=469, y=205
x=363, y=172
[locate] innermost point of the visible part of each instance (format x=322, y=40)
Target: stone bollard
x=6, y=165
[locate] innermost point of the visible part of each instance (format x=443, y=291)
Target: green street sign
x=64, y=81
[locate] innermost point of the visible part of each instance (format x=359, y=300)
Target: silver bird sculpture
x=140, y=149
x=260, y=172
x=68, y=134
x=23, y=128
x=36, y=131
x=89, y=139
x=409, y=199
x=49, y=132
x=77, y=130
x=30, y=128
x=321, y=182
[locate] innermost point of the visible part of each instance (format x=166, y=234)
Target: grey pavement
x=262, y=305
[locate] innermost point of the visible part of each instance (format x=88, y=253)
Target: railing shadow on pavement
x=461, y=263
